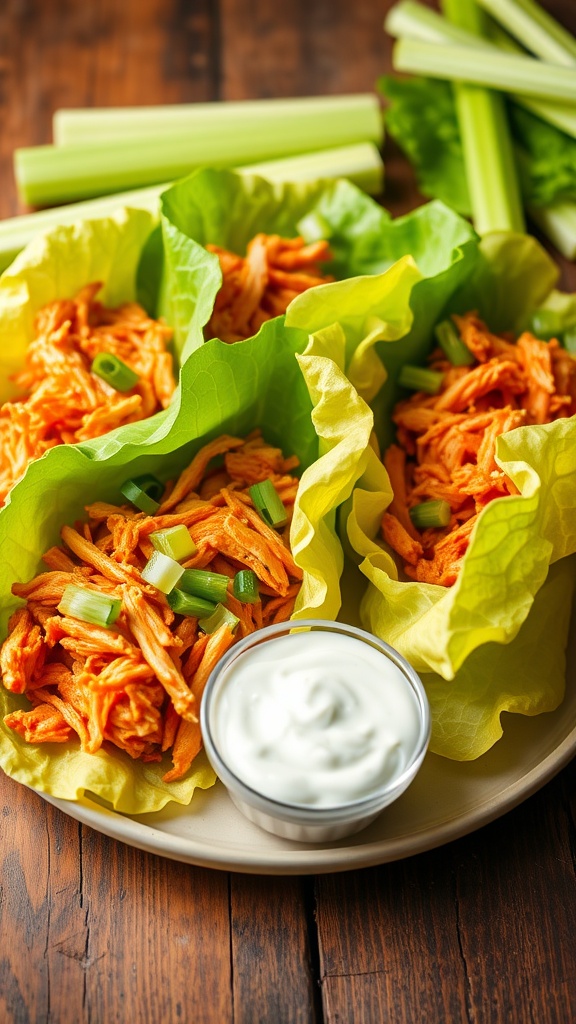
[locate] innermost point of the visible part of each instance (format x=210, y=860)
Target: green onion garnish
x=175, y=541
x=144, y=492
x=569, y=338
x=313, y=227
x=246, y=586
x=186, y=604
x=221, y=617
x=452, y=346
x=162, y=572
x=418, y=379
x=430, y=513
x=89, y=606
x=212, y=586
x=268, y=503
x=114, y=371
x=545, y=324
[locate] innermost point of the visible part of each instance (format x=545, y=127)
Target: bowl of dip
x=314, y=727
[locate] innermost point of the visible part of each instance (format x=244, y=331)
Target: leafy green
x=291, y=388
x=422, y=119
x=516, y=538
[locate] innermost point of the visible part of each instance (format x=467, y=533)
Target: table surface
x=481, y=930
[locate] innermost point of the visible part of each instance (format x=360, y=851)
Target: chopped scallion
x=453, y=347
x=108, y=367
x=213, y=586
x=416, y=378
x=144, y=492
x=246, y=586
x=313, y=227
x=545, y=324
x=268, y=503
x=221, y=617
x=186, y=604
x=430, y=513
x=89, y=606
x=162, y=572
x=174, y=541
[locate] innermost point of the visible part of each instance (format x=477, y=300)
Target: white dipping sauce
x=315, y=718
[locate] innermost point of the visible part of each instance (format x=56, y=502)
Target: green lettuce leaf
x=422, y=119
x=280, y=381
x=56, y=266
x=457, y=633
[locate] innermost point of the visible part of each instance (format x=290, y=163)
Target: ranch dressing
x=315, y=718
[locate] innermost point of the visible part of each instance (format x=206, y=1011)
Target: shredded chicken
x=138, y=684
x=63, y=401
x=262, y=284
x=447, y=442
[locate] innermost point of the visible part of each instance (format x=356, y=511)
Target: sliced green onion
x=144, y=492
x=89, y=606
x=174, y=541
x=162, y=572
x=268, y=503
x=186, y=604
x=213, y=586
x=416, y=378
x=545, y=324
x=504, y=71
x=453, y=347
x=537, y=30
x=246, y=586
x=221, y=617
x=111, y=369
x=430, y=513
x=313, y=227
x=569, y=339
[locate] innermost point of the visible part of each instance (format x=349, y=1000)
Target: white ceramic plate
x=448, y=799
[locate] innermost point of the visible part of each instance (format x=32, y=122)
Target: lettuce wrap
x=303, y=402
x=454, y=636
x=229, y=209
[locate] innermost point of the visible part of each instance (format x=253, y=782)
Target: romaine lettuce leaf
x=302, y=400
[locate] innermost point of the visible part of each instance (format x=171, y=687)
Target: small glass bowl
x=297, y=821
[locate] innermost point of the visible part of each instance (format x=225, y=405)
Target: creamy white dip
x=315, y=718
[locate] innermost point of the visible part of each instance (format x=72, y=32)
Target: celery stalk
x=504, y=71
x=409, y=19
x=537, y=30
x=491, y=172
x=53, y=174
x=300, y=119
x=361, y=164
x=558, y=222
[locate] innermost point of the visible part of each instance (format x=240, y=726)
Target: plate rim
x=303, y=859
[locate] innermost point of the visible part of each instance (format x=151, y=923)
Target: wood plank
x=273, y=977
x=330, y=47
x=481, y=931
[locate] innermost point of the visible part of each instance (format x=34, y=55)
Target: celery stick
x=299, y=118
x=558, y=222
x=361, y=164
x=504, y=71
x=409, y=19
x=491, y=172
x=537, y=30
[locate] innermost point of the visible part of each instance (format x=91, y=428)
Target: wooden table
x=482, y=930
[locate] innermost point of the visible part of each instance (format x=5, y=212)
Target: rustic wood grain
x=90, y=930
